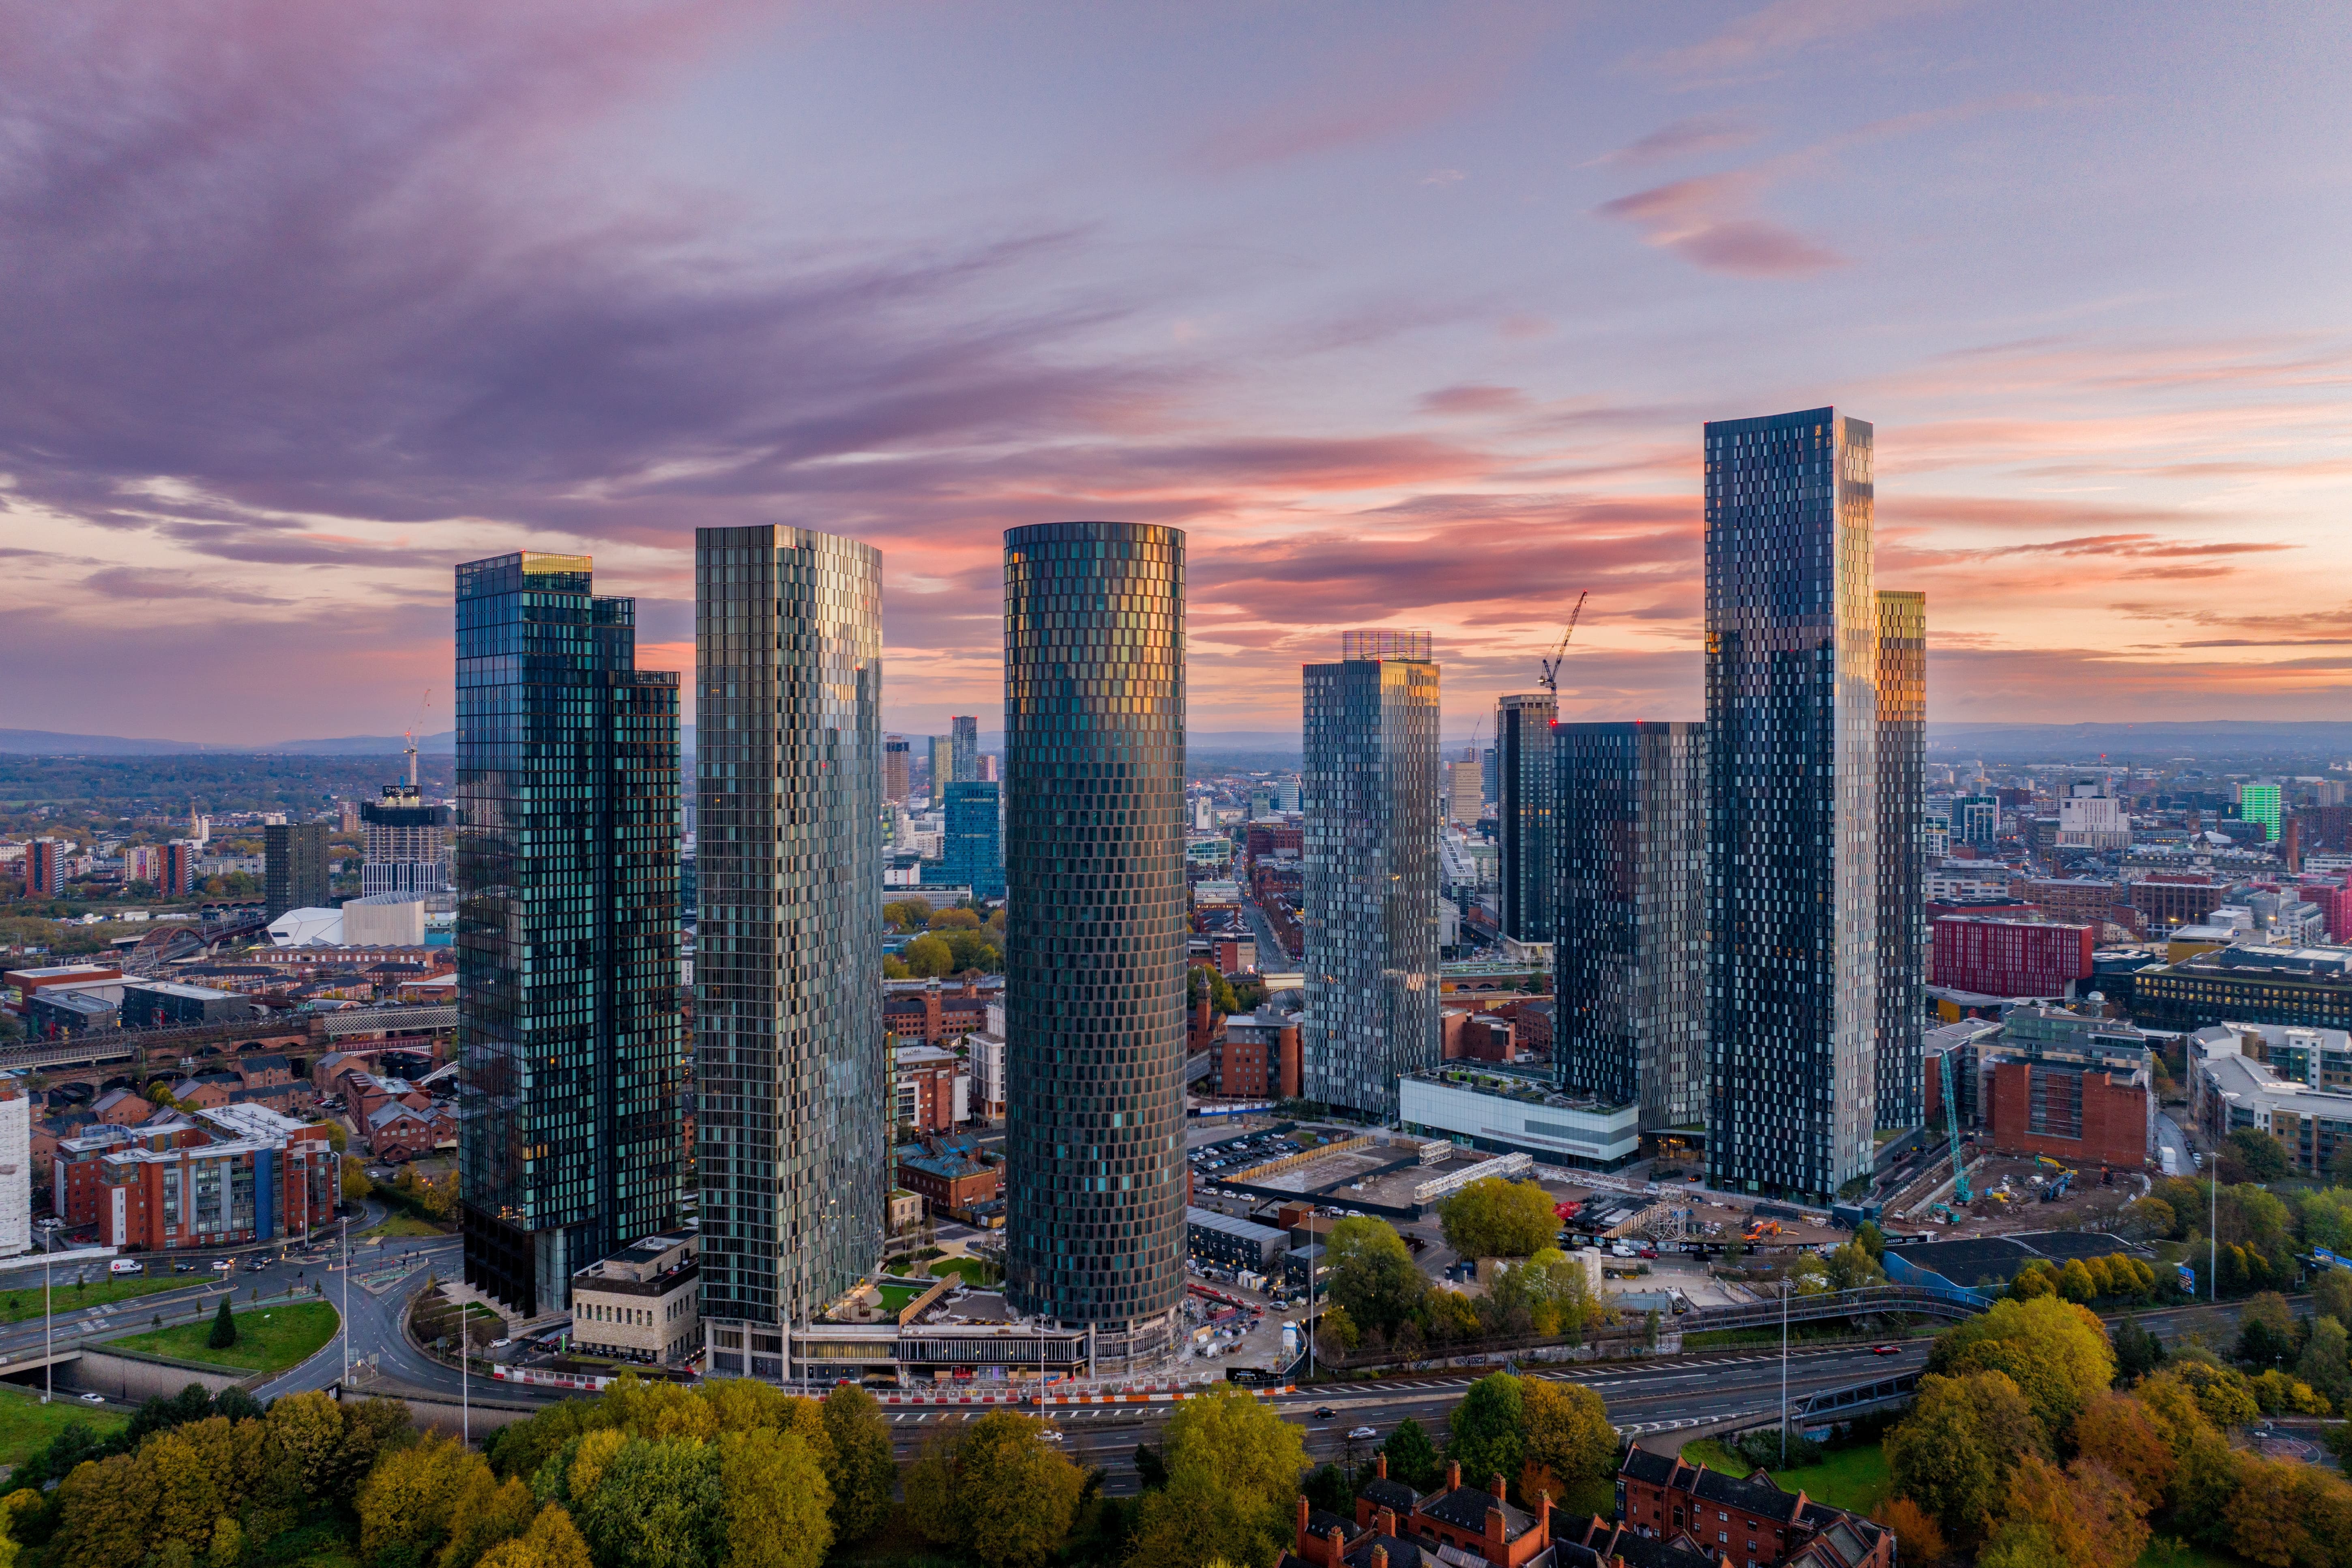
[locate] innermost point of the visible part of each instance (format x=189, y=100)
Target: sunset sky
x=1408, y=314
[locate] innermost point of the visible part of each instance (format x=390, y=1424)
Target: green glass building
x=572, y=1064
x=2259, y=803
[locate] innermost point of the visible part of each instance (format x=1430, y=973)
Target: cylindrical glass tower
x=1094, y=949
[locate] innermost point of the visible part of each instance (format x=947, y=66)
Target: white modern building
x=16, y=1173
x=1506, y=1115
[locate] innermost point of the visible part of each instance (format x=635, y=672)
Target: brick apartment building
x=1275, y=840
x=1259, y=1056
x=1747, y=1520
x=948, y=1175
x=2164, y=902
x=1396, y=1528
x=926, y=1080
x=2092, y=902
x=2010, y=957
x=236, y=1176
x=932, y=1010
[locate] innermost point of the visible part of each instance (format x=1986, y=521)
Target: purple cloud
x=1704, y=221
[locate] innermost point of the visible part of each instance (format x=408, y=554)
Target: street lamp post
x=347, y=1300
x=48, y=1352
x=1786, y=1286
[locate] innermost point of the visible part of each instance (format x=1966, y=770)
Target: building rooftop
x=1246, y=1230
x=251, y=1120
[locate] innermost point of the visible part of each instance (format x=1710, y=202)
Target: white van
x=126, y=1266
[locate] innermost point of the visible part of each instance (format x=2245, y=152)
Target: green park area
x=25, y=1424
x=268, y=1338
x=1855, y=1479
x=397, y=1227
x=895, y=1296
x=21, y=1304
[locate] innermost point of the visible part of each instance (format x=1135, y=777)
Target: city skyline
x=1394, y=318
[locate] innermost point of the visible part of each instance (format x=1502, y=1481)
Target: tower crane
x=423, y=703
x=1550, y=680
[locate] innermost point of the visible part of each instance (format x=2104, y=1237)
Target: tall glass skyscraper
x=572, y=1065
x=963, y=744
x=1094, y=947
x=1902, y=857
x=1523, y=815
x=1631, y=966
x=791, y=1076
x=1370, y=870
x=1792, y=803
x=971, y=851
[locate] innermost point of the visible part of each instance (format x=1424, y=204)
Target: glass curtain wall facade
x=1631, y=966
x=963, y=742
x=1523, y=819
x=792, y=1077
x=1094, y=944
x=942, y=761
x=293, y=867
x=1370, y=873
x=1793, y=807
x=571, y=1059
x=973, y=853
x=1902, y=857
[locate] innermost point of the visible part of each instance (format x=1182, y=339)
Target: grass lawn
x=974, y=1270
x=18, y=1304
x=403, y=1227
x=268, y=1338
x=1854, y=1479
x=895, y=1296
x=25, y=1423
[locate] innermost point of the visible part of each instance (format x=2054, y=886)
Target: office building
x=1523, y=757
x=2259, y=803
x=1370, y=870
x=1792, y=723
x=792, y=1073
x=1094, y=951
x=971, y=849
x=2304, y=987
x=1976, y=819
x=942, y=769
x=1902, y=855
x=1630, y=1018
x=964, y=746
x=898, y=768
x=2091, y=817
x=294, y=858
x=567, y=878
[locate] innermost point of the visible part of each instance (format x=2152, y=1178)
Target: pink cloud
x=1704, y=221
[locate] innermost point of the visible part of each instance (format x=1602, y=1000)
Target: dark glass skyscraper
x=1370, y=870
x=1902, y=851
x=1094, y=949
x=791, y=1077
x=1792, y=803
x=1523, y=815
x=963, y=742
x=567, y=875
x=972, y=852
x=293, y=867
x=1631, y=966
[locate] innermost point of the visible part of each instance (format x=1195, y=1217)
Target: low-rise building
x=949, y=1174
x=639, y=1304
x=1231, y=1243
x=1748, y=1519
x=1455, y=1526
x=240, y=1174
x=166, y=1003
x=2309, y=987
x=1259, y=1055
x=1505, y=1113
x=2073, y=1087
x=2295, y=1084
x=925, y=1081
x=935, y=1010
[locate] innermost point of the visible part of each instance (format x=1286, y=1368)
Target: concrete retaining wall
x=134, y=1378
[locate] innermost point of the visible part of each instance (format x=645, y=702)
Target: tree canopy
x=1372, y=1276
x=1232, y=1467
x=1495, y=1218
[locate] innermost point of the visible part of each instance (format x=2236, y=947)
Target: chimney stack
x=1380, y=1464
x=1495, y=1486
x=1454, y=1475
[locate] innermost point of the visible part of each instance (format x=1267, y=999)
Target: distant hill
x=55, y=743
x=2216, y=740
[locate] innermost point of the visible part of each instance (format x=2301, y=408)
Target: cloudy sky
x=1408, y=314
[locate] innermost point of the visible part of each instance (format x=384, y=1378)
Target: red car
x=1886, y=1350
x=1647, y=1252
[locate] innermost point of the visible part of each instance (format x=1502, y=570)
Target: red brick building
x=1269, y=840
x=932, y=1011
x=248, y=1174
x=2010, y=957
x=1393, y=1526
x=2164, y=902
x=1748, y=1519
x=925, y=1088
x=2075, y=1115
x=1258, y=1057
x=948, y=1175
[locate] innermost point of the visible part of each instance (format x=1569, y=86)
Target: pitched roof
x=1465, y=1508
x=1383, y=1493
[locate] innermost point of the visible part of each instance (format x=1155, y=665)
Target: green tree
x=953, y=919
x=1372, y=1276
x=1495, y=1218
x=553, y=1541
x=906, y=914
x=1853, y=1266
x=865, y=1472
x=224, y=1332
x=1489, y=1429
x=2265, y=1331
x=2137, y=1352
x=777, y=1507
x=1413, y=1457
x=928, y=956
x=1953, y=1454
x=1570, y=1450
x=408, y=1504
x=2081, y=1517
x=2339, y=1166
x=2146, y=1219
x=1232, y=1478
x=650, y=1504
x=2258, y=1154
x=2331, y=1294
x=2324, y=1364
x=1871, y=1239
x=1203, y=980
x=997, y=1489
x=2055, y=1353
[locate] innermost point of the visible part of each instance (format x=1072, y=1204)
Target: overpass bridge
x=1919, y=1299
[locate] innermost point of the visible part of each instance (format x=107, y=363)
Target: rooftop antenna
x=422, y=704
x=1550, y=680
